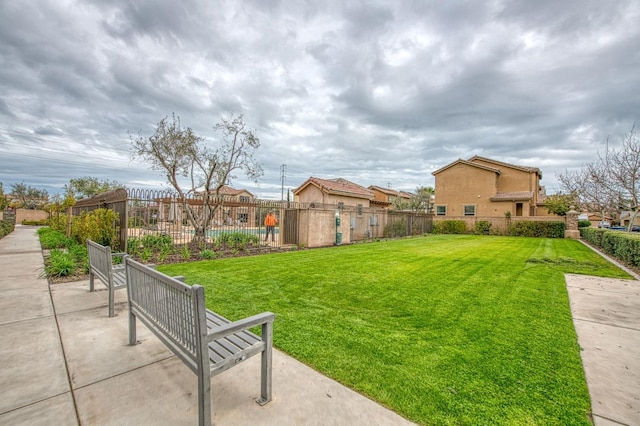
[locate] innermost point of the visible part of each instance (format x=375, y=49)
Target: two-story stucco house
x=485, y=187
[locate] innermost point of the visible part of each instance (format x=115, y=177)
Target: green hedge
x=450, y=227
x=6, y=228
x=622, y=245
x=530, y=228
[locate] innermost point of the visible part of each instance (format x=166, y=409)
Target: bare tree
x=610, y=183
x=179, y=152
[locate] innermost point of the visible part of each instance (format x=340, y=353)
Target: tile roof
x=468, y=163
x=513, y=196
x=500, y=163
x=227, y=190
x=338, y=186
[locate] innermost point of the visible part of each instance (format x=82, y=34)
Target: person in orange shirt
x=270, y=223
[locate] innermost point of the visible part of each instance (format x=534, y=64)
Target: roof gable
x=338, y=186
x=466, y=163
x=501, y=164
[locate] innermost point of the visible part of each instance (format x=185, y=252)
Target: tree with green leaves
x=4, y=201
x=422, y=201
x=560, y=203
x=87, y=186
x=178, y=152
x=29, y=197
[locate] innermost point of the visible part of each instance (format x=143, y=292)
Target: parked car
x=635, y=228
x=604, y=225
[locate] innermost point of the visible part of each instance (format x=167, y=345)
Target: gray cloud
x=378, y=92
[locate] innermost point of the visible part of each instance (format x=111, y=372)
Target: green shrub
x=80, y=256
x=208, y=254
x=237, y=239
x=395, y=229
x=450, y=227
x=34, y=222
x=6, y=228
x=60, y=264
x=97, y=225
x=185, y=252
x=530, y=228
x=59, y=223
x=584, y=223
x=483, y=227
x=53, y=239
x=622, y=245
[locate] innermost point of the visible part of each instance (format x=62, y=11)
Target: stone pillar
x=571, y=224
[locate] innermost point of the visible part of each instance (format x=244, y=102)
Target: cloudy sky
x=378, y=92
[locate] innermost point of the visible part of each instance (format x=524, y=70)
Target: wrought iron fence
x=183, y=218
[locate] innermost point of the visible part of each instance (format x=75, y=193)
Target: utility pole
x=283, y=172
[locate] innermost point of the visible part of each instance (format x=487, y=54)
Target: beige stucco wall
x=460, y=185
x=512, y=180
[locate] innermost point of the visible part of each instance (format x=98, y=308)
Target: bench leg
x=112, y=301
x=267, y=361
x=132, y=328
x=204, y=398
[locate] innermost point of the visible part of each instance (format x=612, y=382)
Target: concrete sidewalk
x=606, y=315
x=65, y=362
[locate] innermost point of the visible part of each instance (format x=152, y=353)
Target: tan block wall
x=25, y=214
x=317, y=228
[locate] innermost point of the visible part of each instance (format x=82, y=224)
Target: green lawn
x=442, y=329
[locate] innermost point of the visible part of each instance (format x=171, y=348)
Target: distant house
x=387, y=197
x=337, y=192
x=485, y=187
x=241, y=195
x=235, y=208
x=625, y=218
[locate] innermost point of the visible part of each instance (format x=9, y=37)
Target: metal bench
x=205, y=341
x=101, y=266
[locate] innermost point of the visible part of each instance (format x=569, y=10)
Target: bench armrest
x=240, y=325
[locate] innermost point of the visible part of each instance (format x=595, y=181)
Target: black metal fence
x=166, y=213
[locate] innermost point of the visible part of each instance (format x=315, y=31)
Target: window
x=340, y=205
x=469, y=210
x=441, y=210
x=359, y=209
x=244, y=199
